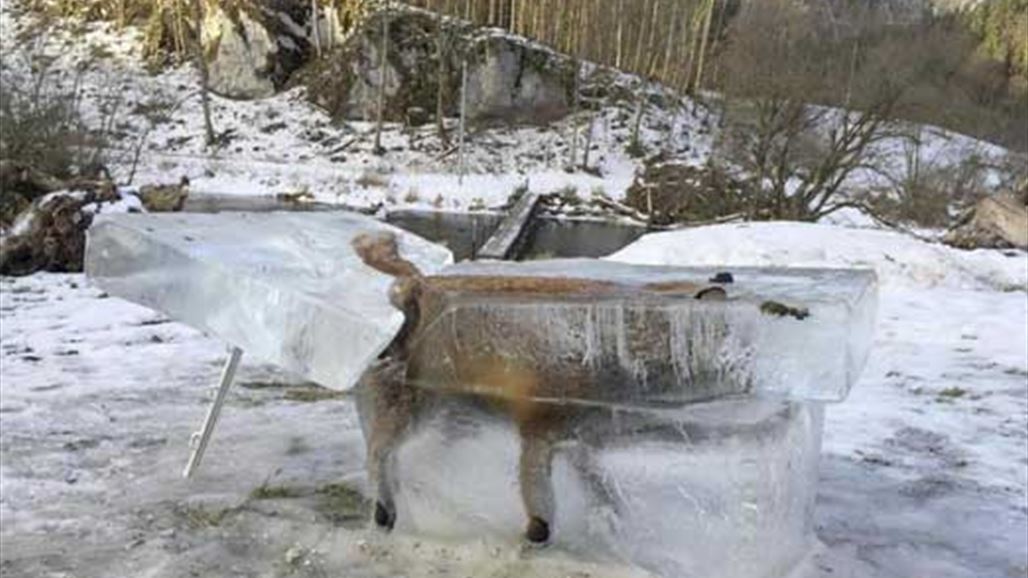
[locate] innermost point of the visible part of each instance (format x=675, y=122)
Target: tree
x=383, y=52
x=798, y=156
x=201, y=64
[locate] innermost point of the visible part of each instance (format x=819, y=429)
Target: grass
x=953, y=392
x=273, y=492
x=311, y=394
x=343, y=504
x=199, y=516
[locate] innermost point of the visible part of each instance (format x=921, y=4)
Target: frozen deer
x=393, y=401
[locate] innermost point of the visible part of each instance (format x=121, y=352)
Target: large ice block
x=721, y=489
x=287, y=288
x=639, y=335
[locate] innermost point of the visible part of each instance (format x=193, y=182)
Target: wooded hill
x=965, y=69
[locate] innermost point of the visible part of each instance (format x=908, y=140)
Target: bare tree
x=315, y=26
x=201, y=64
x=798, y=156
x=383, y=52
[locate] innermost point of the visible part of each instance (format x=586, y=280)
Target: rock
x=508, y=77
x=999, y=221
x=516, y=81
x=51, y=234
x=164, y=198
x=252, y=47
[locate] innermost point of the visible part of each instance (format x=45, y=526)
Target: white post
x=463, y=113
x=200, y=439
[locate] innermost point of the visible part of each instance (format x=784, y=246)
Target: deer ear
x=377, y=250
x=380, y=252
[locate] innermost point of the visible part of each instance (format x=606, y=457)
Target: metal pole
x=200, y=439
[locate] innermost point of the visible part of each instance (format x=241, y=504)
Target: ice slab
x=287, y=288
x=721, y=489
x=639, y=335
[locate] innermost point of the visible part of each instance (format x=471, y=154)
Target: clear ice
x=646, y=339
x=718, y=489
x=286, y=288
x=684, y=433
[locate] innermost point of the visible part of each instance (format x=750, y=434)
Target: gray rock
x=508, y=78
x=999, y=221
x=252, y=49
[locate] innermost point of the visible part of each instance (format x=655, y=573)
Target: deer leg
x=389, y=404
x=381, y=448
x=536, y=481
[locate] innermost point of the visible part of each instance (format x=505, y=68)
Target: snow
x=284, y=144
x=899, y=260
x=924, y=468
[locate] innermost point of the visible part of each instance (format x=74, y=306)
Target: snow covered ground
x=925, y=466
x=924, y=473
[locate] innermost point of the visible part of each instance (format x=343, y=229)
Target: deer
x=393, y=400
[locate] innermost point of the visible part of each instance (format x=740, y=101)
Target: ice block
x=638, y=335
x=721, y=489
x=287, y=288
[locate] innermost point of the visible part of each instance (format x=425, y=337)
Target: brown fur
x=512, y=387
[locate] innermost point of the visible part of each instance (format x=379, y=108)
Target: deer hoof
x=538, y=531
x=384, y=518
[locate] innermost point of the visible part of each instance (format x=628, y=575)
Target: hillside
x=296, y=144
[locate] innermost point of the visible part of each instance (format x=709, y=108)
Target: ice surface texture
x=721, y=489
x=287, y=288
x=641, y=336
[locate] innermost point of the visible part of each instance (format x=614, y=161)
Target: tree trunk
x=703, y=43
x=620, y=34
x=315, y=27
x=201, y=64
x=463, y=119
x=573, y=150
x=382, y=63
x=443, y=54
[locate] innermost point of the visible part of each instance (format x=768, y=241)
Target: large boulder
x=508, y=77
x=513, y=80
x=252, y=47
x=999, y=221
x=51, y=234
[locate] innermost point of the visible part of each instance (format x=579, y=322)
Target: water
x=548, y=237
x=462, y=233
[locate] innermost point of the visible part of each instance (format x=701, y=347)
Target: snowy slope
x=284, y=144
